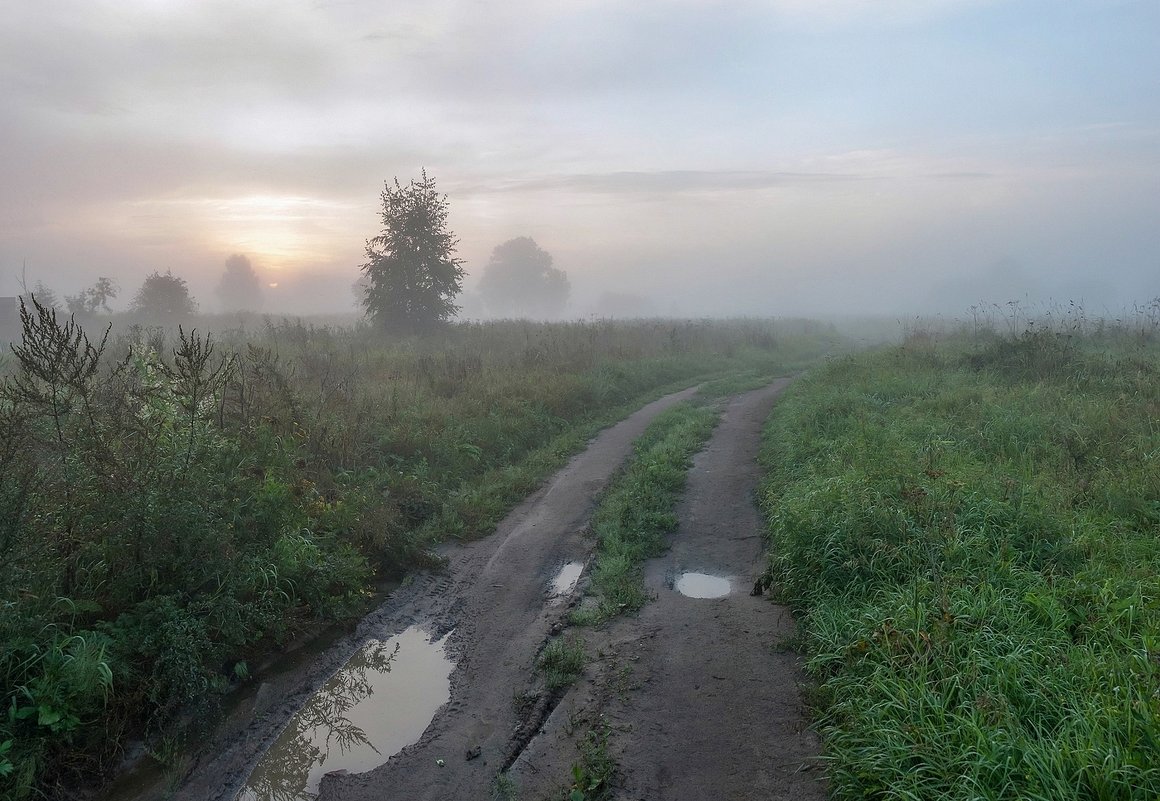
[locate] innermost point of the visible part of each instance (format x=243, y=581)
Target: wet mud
x=703, y=702
x=378, y=703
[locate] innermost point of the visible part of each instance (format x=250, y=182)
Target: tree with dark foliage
x=164, y=297
x=96, y=298
x=412, y=273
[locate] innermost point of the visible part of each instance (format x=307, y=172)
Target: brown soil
x=702, y=699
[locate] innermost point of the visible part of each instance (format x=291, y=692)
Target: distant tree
x=96, y=298
x=520, y=280
x=411, y=270
x=240, y=288
x=44, y=296
x=164, y=296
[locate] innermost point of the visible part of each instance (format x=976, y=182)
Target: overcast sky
x=776, y=157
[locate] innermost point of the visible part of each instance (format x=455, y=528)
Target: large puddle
x=378, y=703
x=701, y=585
x=566, y=580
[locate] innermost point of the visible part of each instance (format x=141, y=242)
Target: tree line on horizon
x=160, y=296
x=409, y=282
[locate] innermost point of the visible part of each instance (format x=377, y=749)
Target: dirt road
x=703, y=704
x=699, y=699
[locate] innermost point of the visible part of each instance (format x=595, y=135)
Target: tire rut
x=702, y=701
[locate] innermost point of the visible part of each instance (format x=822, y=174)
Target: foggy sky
x=775, y=157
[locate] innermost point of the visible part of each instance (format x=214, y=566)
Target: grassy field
x=174, y=508
x=969, y=529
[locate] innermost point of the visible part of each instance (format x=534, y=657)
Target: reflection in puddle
x=701, y=585
x=379, y=702
x=565, y=581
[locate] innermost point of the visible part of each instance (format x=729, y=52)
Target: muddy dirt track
x=698, y=700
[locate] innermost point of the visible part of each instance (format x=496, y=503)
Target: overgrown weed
x=562, y=662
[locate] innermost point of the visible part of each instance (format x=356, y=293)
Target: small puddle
x=566, y=580
x=378, y=703
x=701, y=585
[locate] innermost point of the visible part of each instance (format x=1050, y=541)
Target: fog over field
x=773, y=157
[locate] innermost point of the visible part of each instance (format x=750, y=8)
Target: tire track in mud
x=700, y=699
x=492, y=597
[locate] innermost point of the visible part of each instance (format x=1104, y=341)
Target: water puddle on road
x=566, y=580
x=701, y=585
x=378, y=703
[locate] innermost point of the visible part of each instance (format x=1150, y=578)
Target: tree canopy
x=93, y=299
x=164, y=296
x=240, y=289
x=412, y=273
x=519, y=281
x=44, y=295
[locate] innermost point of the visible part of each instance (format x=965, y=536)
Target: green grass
x=638, y=510
x=561, y=662
x=969, y=530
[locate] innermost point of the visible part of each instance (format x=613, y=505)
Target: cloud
x=664, y=182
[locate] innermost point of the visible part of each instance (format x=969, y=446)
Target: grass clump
x=638, y=509
x=562, y=661
x=969, y=532
x=593, y=774
x=504, y=788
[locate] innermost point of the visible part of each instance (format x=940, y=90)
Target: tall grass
x=174, y=507
x=969, y=529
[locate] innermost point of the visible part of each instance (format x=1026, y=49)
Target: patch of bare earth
x=698, y=696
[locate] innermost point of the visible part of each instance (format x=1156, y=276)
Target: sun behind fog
x=283, y=230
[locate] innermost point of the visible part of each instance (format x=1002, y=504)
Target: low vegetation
x=638, y=511
x=561, y=662
x=174, y=508
x=969, y=528
x=593, y=774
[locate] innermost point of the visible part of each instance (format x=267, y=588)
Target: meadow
x=968, y=527
x=176, y=507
